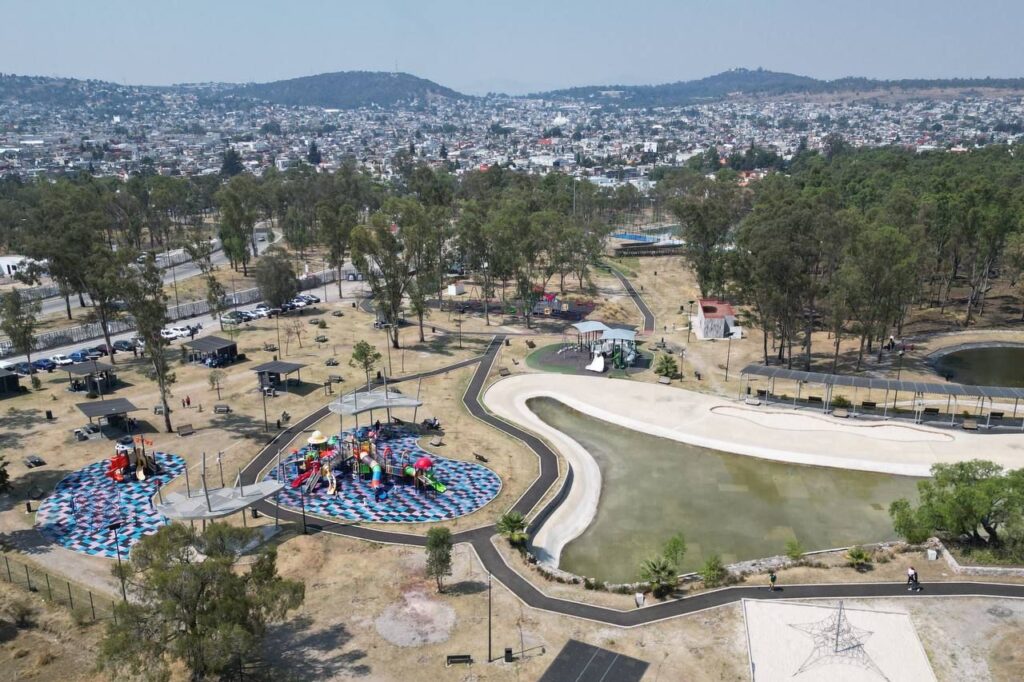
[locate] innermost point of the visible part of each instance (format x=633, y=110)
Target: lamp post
x=323, y=275
x=174, y=277
x=728, y=354
x=489, y=657
x=263, y=390
x=899, y=370
x=689, y=322
x=113, y=528
x=387, y=343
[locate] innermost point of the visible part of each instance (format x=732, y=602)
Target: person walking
x=912, y=580
x=188, y=401
x=771, y=580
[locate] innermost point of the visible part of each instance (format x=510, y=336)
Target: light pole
x=689, y=322
x=387, y=342
x=728, y=354
x=899, y=370
x=113, y=527
x=489, y=657
x=323, y=275
x=263, y=390
x=174, y=278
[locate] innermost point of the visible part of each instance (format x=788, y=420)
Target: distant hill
x=347, y=90
x=759, y=82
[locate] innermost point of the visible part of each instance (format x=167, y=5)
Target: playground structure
x=130, y=461
x=607, y=347
x=362, y=454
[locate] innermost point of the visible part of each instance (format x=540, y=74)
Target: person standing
x=912, y=581
x=771, y=580
x=188, y=401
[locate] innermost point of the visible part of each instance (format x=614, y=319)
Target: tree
x=675, y=550
x=313, y=155
x=211, y=615
x=146, y=301
x=858, y=558
x=961, y=501
x=18, y=321
x=276, y=280
x=334, y=229
x=512, y=526
x=215, y=377
x=439, y=555
x=383, y=260
x=365, y=357
x=706, y=216
x=232, y=163
x=660, y=575
x=794, y=549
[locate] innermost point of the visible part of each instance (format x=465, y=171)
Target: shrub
x=81, y=616
x=36, y=383
x=841, y=401
x=794, y=550
x=713, y=571
x=666, y=366
x=857, y=557
x=322, y=324
x=21, y=611
x=512, y=526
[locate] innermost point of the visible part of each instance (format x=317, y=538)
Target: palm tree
x=512, y=526
x=666, y=366
x=660, y=574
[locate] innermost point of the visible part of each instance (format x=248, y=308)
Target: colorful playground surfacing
x=466, y=486
x=79, y=512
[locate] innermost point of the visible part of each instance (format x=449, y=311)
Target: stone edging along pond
x=992, y=571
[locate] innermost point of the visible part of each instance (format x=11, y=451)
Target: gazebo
x=114, y=411
x=212, y=346
x=96, y=376
x=270, y=373
x=9, y=382
x=589, y=331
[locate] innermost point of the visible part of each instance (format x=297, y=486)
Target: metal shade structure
x=619, y=335
x=352, y=404
x=107, y=408
x=216, y=503
x=590, y=326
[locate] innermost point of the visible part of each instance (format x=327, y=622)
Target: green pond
x=986, y=366
x=736, y=506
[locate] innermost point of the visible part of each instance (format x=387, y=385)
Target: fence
x=89, y=332
x=38, y=293
x=57, y=590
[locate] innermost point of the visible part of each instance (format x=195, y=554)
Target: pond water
x=736, y=506
x=985, y=366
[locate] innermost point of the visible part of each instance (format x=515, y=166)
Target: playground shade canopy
x=618, y=335
x=87, y=368
x=590, y=326
x=873, y=383
x=352, y=404
x=215, y=503
x=107, y=408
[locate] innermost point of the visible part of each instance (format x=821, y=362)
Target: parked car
x=44, y=364
x=62, y=360
x=298, y=303
x=215, y=361
x=261, y=306
x=168, y=334
x=246, y=315
x=124, y=345
x=259, y=313
x=79, y=356
x=104, y=349
x=232, y=317
x=23, y=368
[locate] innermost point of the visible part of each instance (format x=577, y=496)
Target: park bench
x=503, y=372
x=437, y=441
x=159, y=409
x=269, y=347
x=221, y=408
x=762, y=393
x=868, y=405
x=185, y=430
x=479, y=457
x=664, y=380
x=335, y=378
x=930, y=412
x=814, y=400
x=970, y=425
x=995, y=416
x=458, y=659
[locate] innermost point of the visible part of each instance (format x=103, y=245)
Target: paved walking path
x=480, y=538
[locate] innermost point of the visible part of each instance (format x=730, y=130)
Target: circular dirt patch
x=416, y=620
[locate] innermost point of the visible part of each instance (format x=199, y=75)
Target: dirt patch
x=416, y=620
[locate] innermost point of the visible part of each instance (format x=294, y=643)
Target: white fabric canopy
x=619, y=335
x=352, y=404
x=588, y=326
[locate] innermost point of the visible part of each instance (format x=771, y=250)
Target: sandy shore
x=780, y=434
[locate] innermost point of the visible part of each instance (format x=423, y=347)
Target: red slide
x=303, y=476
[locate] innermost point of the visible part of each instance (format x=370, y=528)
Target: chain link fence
x=86, y=604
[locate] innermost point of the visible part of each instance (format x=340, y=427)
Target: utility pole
x=489, y=657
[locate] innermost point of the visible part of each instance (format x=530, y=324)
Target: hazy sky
x=518, y=46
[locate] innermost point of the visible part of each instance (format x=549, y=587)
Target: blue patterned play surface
x=82, y=506
x=469, y=487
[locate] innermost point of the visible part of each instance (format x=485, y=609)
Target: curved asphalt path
x=480, y=538
x=638, y=300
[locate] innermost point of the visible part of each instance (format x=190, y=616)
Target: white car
x=299, y=303
x=182, y=332
x=168, y=334
x=260, y=312
x=61, y=360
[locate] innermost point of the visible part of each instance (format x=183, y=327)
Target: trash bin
x=49, y=415
x=508, y=654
